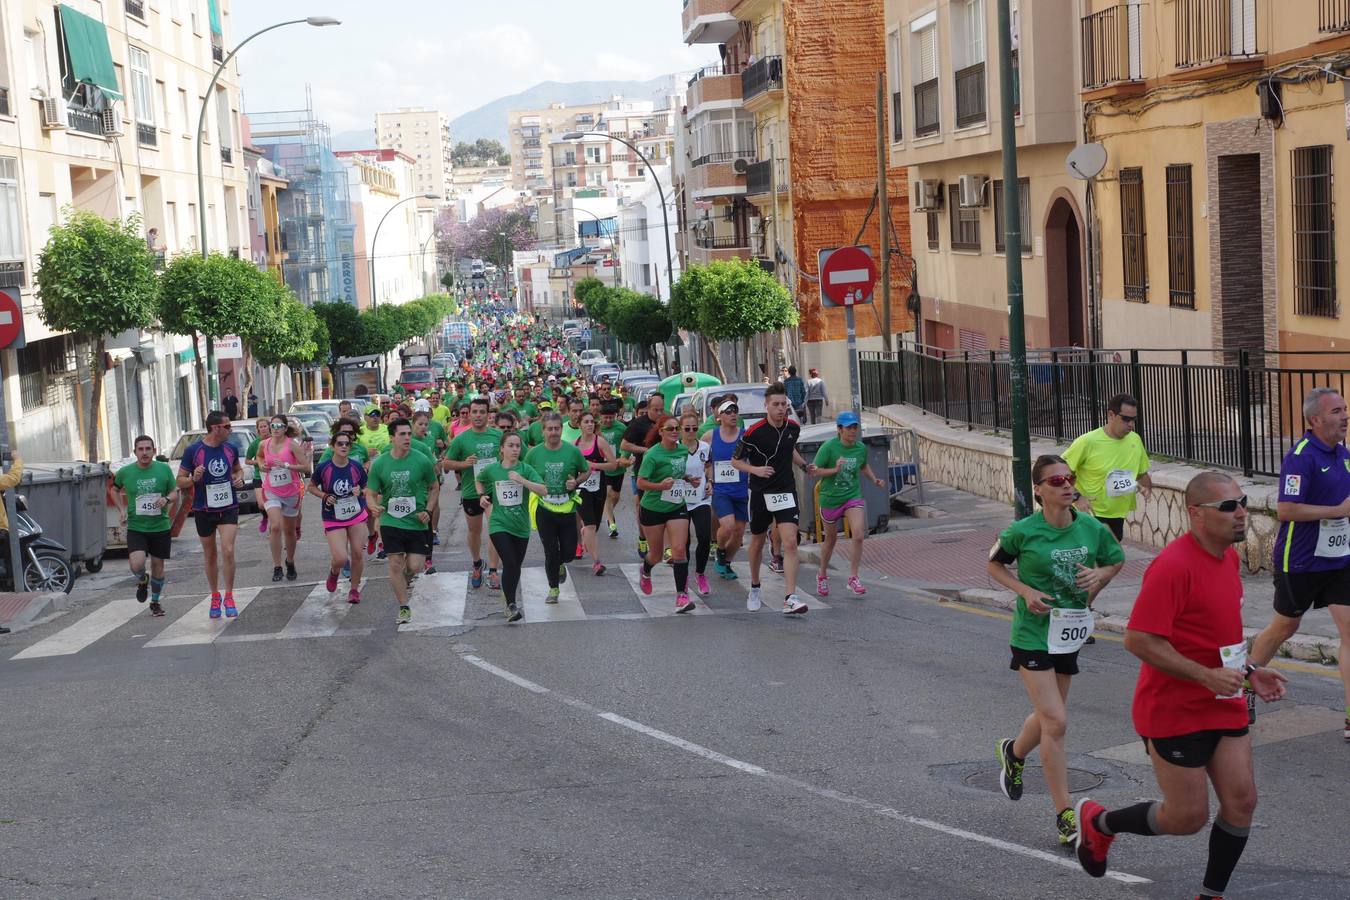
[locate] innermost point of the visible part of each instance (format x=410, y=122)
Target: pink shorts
x=333, y=526
x=834, y=515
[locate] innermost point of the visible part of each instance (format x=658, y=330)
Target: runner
x=561, y=467
x=839, y=462
x=475, y=448
x=766, y=453
x=502, y=486
x=211, y=468
x=401, y=490
x=424, y=440
x=260, y=433
x=280, y=457
x=147, y=502
x=1064, y=558
x=1186, y=628
x=731, y=492
x=635, y=442
x=698, y=501
x=340, y=483
x=1111, y=465
x=352, y=428
x=662, y=511
x=612, y=431
x=374, y=433
x=600, y=455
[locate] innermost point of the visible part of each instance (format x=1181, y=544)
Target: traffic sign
x=11, y=318
x=847, y=276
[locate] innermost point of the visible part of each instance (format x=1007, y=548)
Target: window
x=141, y=95
x=968, y=24
x=924, y=63
x=593, y=156
x=897, y=95
x=11, y=223
x=934, y=238
x=36, y=47
x=1314, y=236
x=1023, y=217
x=162, y=98
x=1180, y=238
x=965, y=222
x=223, y=119
x=1132, y=238
x=183, y=111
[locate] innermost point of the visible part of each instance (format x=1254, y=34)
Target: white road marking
x=438, y=601
x=321, y=613
x=661, y=603
x=760, y=772
x=533, y=590
x=197, y=627
x=74, y=638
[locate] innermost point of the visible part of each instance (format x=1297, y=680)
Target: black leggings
x=512, y=551
x=592, y=507
x=558, y=531
x=701, y=522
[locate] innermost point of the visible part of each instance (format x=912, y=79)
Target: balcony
x=1215, y=31
x=1110, y=56
x=85, y=121
x=704, y=249
x=217, y=51
x=532, y=143
x=715, y=175
x=927, y=119
x=715, y=84
x=970, y=96
x=146, y=135
x=708, y=21
x=135, y=8
x=765, y=178
x=11, y=274
x=1333, y=16
x=762, y=83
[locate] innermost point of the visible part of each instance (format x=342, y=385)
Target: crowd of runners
x=535, y=450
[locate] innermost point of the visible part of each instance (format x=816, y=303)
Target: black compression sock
x=1226, y=843
x=1142, y=818
x=681, y=568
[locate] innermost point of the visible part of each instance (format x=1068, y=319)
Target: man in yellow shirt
x=374, y=434
x=1111, y=466
x=439, y=411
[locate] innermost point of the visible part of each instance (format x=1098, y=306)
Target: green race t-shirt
x=513, y=519
x=403, y=486
x=534, y=435
x=436, y=431
x=1047, y=560
x=252, y=451
x=658, y=464
x=555, y=467
x=838, y=489
x=143, y=487
x=570, y=433
x=426, y=444
x=614, y=434
x=484, y=445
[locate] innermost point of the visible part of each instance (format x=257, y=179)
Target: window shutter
x=1242, y=19
x=1133, y=16
x=928, y=54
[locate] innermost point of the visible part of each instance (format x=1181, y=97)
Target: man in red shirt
x=1186, y=628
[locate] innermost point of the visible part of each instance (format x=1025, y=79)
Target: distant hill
x=489, y=120
x=354, y=140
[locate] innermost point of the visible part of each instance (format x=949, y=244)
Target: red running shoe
x=1091, y=843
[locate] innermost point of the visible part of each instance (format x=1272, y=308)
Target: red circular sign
x=11, y=318
x=848, y=276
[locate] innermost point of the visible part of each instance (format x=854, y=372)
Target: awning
x=87, y=47
x=214, y=12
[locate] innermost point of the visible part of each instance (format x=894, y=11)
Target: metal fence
x=1231, y=410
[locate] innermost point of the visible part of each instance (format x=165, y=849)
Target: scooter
x=46, y=562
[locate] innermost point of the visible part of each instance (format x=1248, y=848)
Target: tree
x=482, y=152
x=732, y=300
x=638, y=319
x=590, y=293
x=482, y=237
x=448, y=280
x=343, y=327
x=96, y=277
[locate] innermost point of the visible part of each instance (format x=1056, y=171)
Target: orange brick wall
x=835, y=50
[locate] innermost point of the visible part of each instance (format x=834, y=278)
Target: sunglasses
x=276, y=424
x=669, y=431
x=1226, y=506
x=689, y=429
x=1057, y=480
x=1127, y=418
x=342, y=443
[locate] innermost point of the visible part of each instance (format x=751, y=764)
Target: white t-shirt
x=696, y=466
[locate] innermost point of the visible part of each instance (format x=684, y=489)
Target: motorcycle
x=46, y=562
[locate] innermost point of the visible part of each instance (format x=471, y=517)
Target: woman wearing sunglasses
x=283, y=462
x=599, y=454
x=662, y=512
x=698, y=470
x=1064, y=558
x=339, y=483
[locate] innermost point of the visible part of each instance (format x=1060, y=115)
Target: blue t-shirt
x=207, y=494
x=722, y=451
x=342, y=482
x=1317, y=475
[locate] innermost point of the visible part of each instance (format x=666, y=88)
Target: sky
x=450, y=55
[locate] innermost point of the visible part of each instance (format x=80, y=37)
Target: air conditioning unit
x=111, y=120
x=53, y=113
x=972, y=190
x=740, y=166
x=927, y=195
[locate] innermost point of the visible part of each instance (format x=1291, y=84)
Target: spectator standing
x=796, y=392
x=816, y=398
x=8, y=480
x=252, y=405
x=231, y=404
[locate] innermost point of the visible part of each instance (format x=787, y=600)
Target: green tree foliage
x=293, y=344
x=342, y=326
x=482, y=152
x=448, y=281
x=592, y=294
x=97, y=278
x=638, y=319
x=731, y=300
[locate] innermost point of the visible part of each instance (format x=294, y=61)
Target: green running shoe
x=1010, y=771
x=404, y=615
x=552, y=596
x=1067, y=823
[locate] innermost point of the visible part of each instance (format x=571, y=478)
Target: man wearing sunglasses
x=211, y=469
x=1111, y=466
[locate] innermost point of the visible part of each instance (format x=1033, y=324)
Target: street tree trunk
x=716, y=355
x=97, y=370
x=200, y=369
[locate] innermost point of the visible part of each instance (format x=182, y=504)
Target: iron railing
x=85, y=121
x=765, y=75
x=970, y=96
x=724, y=156
x=136, y=8
x=1333, y=16
x=11, y=274
x=1105, y=41
x=146, y=135
x=1210, y=31
x=926, y=117
x=710, y=242
x=226, y=155
x=217, y=52
x=766, y=177
x=716, y=69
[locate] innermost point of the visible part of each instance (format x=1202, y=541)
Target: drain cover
x=1033, y=782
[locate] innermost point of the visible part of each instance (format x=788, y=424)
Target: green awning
x=211, y=7
x=87, y=46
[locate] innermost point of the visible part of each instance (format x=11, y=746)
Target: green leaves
x=342, y=326
x=96, y=276
x=382, y=329
x=635, y=318
x=731, y=300
x=220, y=295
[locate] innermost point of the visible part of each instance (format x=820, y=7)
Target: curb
x=38, y=607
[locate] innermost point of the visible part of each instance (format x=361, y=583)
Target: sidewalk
x=943, y=549
x=18, y=610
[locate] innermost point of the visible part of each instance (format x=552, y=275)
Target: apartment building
x=644, y=237
x=945, y=128
x=424, y=135
x=377, y=181
x=531, y=132
x=99, y=104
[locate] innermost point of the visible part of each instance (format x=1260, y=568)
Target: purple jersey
x=215, y=492
x=1317, y=475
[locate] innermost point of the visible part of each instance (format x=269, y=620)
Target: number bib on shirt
x=776, y=502
x=1069, y=629
x=278, y=477
x=480, y=466
x=1333, y=538
x=1234, y=656
x=1119, y=483
x=556, y=499
x=400, y=507
x=345, y=508
x=679, y=492
x=725, y=473
x=145, y=505
x=509, y=493
x=219, y=494
x=592, y=482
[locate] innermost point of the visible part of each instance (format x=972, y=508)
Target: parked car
x=317, y=427
x=588, y=357
x=680, y=404
x=328, y=407
x=749, y=399
x=242, y=433
x=419, y=378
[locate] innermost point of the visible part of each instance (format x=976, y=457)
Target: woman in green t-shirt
x=1064, y=558
x=561, y=467
x=503, y=488
x=841, y=464
x=662, y=512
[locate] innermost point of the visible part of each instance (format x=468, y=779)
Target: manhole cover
x=1033, y=782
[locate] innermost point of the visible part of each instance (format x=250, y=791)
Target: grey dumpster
x=70, y=500
x=878, y=499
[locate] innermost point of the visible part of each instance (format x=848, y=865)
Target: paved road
x=618, y=751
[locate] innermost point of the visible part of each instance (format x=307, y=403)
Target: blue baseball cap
x=847, y=420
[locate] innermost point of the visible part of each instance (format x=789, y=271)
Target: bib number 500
x=1069, y=629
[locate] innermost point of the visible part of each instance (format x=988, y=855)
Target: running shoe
x=230, y=609
x=1067, y=826
x=370, y=545
x=598, y=570
x=728, y=572
x=428, y=568
x=580, y=552
x=823, y=584
x=142, y=588
x=476, y=577
x=215, y=607
x=1010, y=770
x=494, y=581
x=701, y=584
x=720, y=556
x=513, y=613
x=776, y=565
x=613, y=531
x=752, y=601
x=683, y=604
x=666, y=556
x=404, y=615
x=1090, y=842
x=353, y=596
x=856, y=586
x=645, y=582
x=290, y=570
x=331, y=584
x=792, y=606
x=346, y=570
x=435, y=539
x=381, y=553
x=277, y=573
x=552, y=598
x=262, y=525
x=155, y=608
x=562, y=574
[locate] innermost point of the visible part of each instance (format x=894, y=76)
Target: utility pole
x=884, y=208
x=1012, y=217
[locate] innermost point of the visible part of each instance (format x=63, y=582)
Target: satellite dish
x=1086, y=161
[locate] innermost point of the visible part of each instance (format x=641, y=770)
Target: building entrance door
x=1065, y=309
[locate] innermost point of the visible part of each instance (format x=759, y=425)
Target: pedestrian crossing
x=442, y=600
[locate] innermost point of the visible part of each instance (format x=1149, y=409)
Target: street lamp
x=665, y=217
x=213, y=391
x=374, y=294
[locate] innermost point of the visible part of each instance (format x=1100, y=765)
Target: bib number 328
x=1069, y=629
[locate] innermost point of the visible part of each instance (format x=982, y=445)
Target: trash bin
x=70, y=500
x=877, y=499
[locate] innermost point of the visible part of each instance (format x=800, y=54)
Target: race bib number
x=509, y=493
x=1333, y=538
x=1234, y=656
x=401, y=507
x=480, y=466
x=679, y=492
x=592, y=482
x=278, y=477
x=557, y=499
x=146, y=505
x=345, y=508
x=776, y=502
x=219, y=494
x=1120, y=483
x=725, y=473
x=1069, y=629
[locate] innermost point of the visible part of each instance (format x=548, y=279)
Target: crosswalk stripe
x=321, y=613
x=74, y=638
x=438, y=601
x=197, y=627
x=533, y=590
x=661, y=603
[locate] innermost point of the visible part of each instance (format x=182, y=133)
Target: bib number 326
x=1069, y=629
x=776, y=502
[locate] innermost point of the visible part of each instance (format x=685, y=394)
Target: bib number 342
x=1069, y=629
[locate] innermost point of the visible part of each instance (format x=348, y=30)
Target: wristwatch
x=1248, y=669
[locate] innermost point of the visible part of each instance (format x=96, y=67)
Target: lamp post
x=374, y=294
x=212, y=388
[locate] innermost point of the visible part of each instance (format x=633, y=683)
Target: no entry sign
x=11, y=318
x=847, y=276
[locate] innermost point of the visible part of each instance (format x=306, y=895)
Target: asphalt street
x=604, y=748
